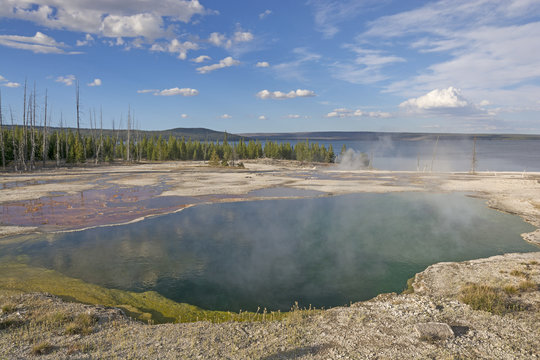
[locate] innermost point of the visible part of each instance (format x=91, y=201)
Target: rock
x=434, y=331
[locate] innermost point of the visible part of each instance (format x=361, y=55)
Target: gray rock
x=434, y=331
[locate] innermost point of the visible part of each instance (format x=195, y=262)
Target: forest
x=26, y=146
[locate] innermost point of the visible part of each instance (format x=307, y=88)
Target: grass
x=8, y=308
x=488, y=298
x=518, y=273
x=82, y=324
x=527, y=285
x=42, y=348
x=148, y=306
x=409, y=289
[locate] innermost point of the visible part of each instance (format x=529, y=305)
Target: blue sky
x=279, y=66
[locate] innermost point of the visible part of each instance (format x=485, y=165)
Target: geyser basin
x=322, y=251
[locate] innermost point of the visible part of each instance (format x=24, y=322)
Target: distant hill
x=366, y=135
x=201, y=134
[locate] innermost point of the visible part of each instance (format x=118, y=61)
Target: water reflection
x=323, y=251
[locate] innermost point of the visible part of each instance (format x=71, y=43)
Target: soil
x=387, y=326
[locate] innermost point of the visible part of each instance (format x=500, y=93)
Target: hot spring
x=323, y=252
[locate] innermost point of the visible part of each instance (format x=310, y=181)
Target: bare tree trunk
x=2, y=136
x=33, y=133
x=114, y=142
x=22, y=145
x=128, y=132
x=15, y=159
x=58, y=147
x=78, y=108
x=100, y=146
x=44, y=155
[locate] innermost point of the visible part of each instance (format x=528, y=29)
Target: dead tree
x=44, y=155
x=15, y=158
x=32, y=130
x=473, y=160
x=2, y=147
x=22, y=144
x=77, y=104
x=128, y=133
x=58, y=144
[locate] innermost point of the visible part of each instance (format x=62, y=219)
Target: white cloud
x=96, y=82
x=217, y=39
x=262, y=64
x=488, y=48
x=265, y=13
x=438, y=99
x=329, y=14
x=2, y=79
x=239, y=36
x=279, y=95
x=226, y=116
x=243, y=36
x=294, y=69
x=263, y=117
x=366, y=67
x=11, y=84
x=88, y=39
x=293, y=116
x=177, y=91
x=344, y=113
x=200, y=59
x=67, y=80
x=175, y=47
x=223, y=63
x=184, y=116
x=39, y=43
x=170, y=92
x=119, y=18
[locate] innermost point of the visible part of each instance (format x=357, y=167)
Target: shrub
x=83, y=324
x=487, y=298
x=42, y=348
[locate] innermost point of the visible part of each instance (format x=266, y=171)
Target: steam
x=353, y=160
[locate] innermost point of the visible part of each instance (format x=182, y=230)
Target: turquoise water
x=321, y=251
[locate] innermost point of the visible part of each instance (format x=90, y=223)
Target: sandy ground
x=77, y=198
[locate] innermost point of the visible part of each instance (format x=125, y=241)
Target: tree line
x=24, y=146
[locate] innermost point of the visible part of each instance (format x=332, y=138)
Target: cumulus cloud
x=67, y=80
x=344, y=113
x=200, y=59
x=184, y=116
x=175, y=47
x=484, y=47
x=223, y=63
x=293, y=116
x=279, y=95
x=226, y=116
x=263, y=117
x=262, y=64
x=438, y=99
x=171, y=92
x=222, y=40
x=120, y=18
x=265, y=13
x=96, y=82
x=39, y=43
x=88, y=39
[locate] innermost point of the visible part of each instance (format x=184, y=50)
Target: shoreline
x=358, y=330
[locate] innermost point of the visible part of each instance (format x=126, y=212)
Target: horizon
x=433, y=67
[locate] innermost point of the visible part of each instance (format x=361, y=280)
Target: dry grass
x=82, y=324
x=527, y=285
x=518, y=273
x=42, y=348
x=488, y=298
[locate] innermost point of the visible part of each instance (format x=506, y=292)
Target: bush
x=488, y=298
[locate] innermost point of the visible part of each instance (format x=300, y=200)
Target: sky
x=466, y=66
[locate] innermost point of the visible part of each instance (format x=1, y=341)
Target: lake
x=323, y=252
